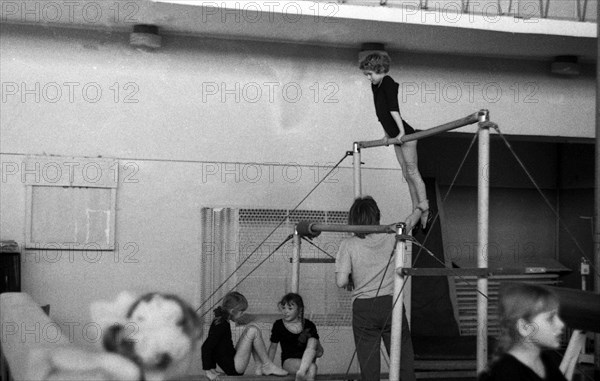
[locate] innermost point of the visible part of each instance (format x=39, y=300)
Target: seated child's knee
x=252, y=330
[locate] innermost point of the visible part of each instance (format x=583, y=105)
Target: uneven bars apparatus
x=402, y=260
x=481, y=117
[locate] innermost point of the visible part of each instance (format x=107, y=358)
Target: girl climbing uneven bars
x=398, y=132
x=375, y=67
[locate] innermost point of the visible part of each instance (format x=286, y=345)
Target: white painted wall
x=188, y=142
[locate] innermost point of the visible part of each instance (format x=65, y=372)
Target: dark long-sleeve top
x=508, y=368
x=385, y=96
x=218, y=345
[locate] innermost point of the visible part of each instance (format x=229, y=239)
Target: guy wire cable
x=346, y=154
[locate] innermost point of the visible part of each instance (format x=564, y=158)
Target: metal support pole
x=483, y=194
x=357, y=179
x=596, y=277
x=596, y=263
x=296, y=264
x=396, y=334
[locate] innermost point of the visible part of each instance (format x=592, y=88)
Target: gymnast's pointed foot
x=426, y=216
x=412, y=220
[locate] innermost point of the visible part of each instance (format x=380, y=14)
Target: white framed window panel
x=70, y=202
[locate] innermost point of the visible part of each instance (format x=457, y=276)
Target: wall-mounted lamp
x=145, y=37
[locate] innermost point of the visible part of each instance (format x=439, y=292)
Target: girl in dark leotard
x=218, y=347
x=385, y=94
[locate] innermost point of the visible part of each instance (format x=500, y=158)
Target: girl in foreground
x=529, y=325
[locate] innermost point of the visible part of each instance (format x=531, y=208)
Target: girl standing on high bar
x=385, y=94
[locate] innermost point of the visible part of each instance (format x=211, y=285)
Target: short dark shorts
x=408, y=129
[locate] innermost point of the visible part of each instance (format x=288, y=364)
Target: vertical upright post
x=296, y=264
x=483, y=194
x=396, y=334
x=596, y=263
x=357, y=179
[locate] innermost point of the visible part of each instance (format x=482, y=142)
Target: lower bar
x=315, y=260
x=472, y=271
x=308, y=228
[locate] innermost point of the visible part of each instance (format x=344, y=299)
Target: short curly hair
x=376, y=62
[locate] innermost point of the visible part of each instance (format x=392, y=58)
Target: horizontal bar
x=480, y=116
x=340, y=376
x=443, y=271
x=446, y=375
x=315, y=260
x=473, y=271
x=305, y=228
x=387, y=229
x=249, y=377
x=442, y=364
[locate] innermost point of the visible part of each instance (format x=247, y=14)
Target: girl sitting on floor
x=298, y=338
x=218, y=347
